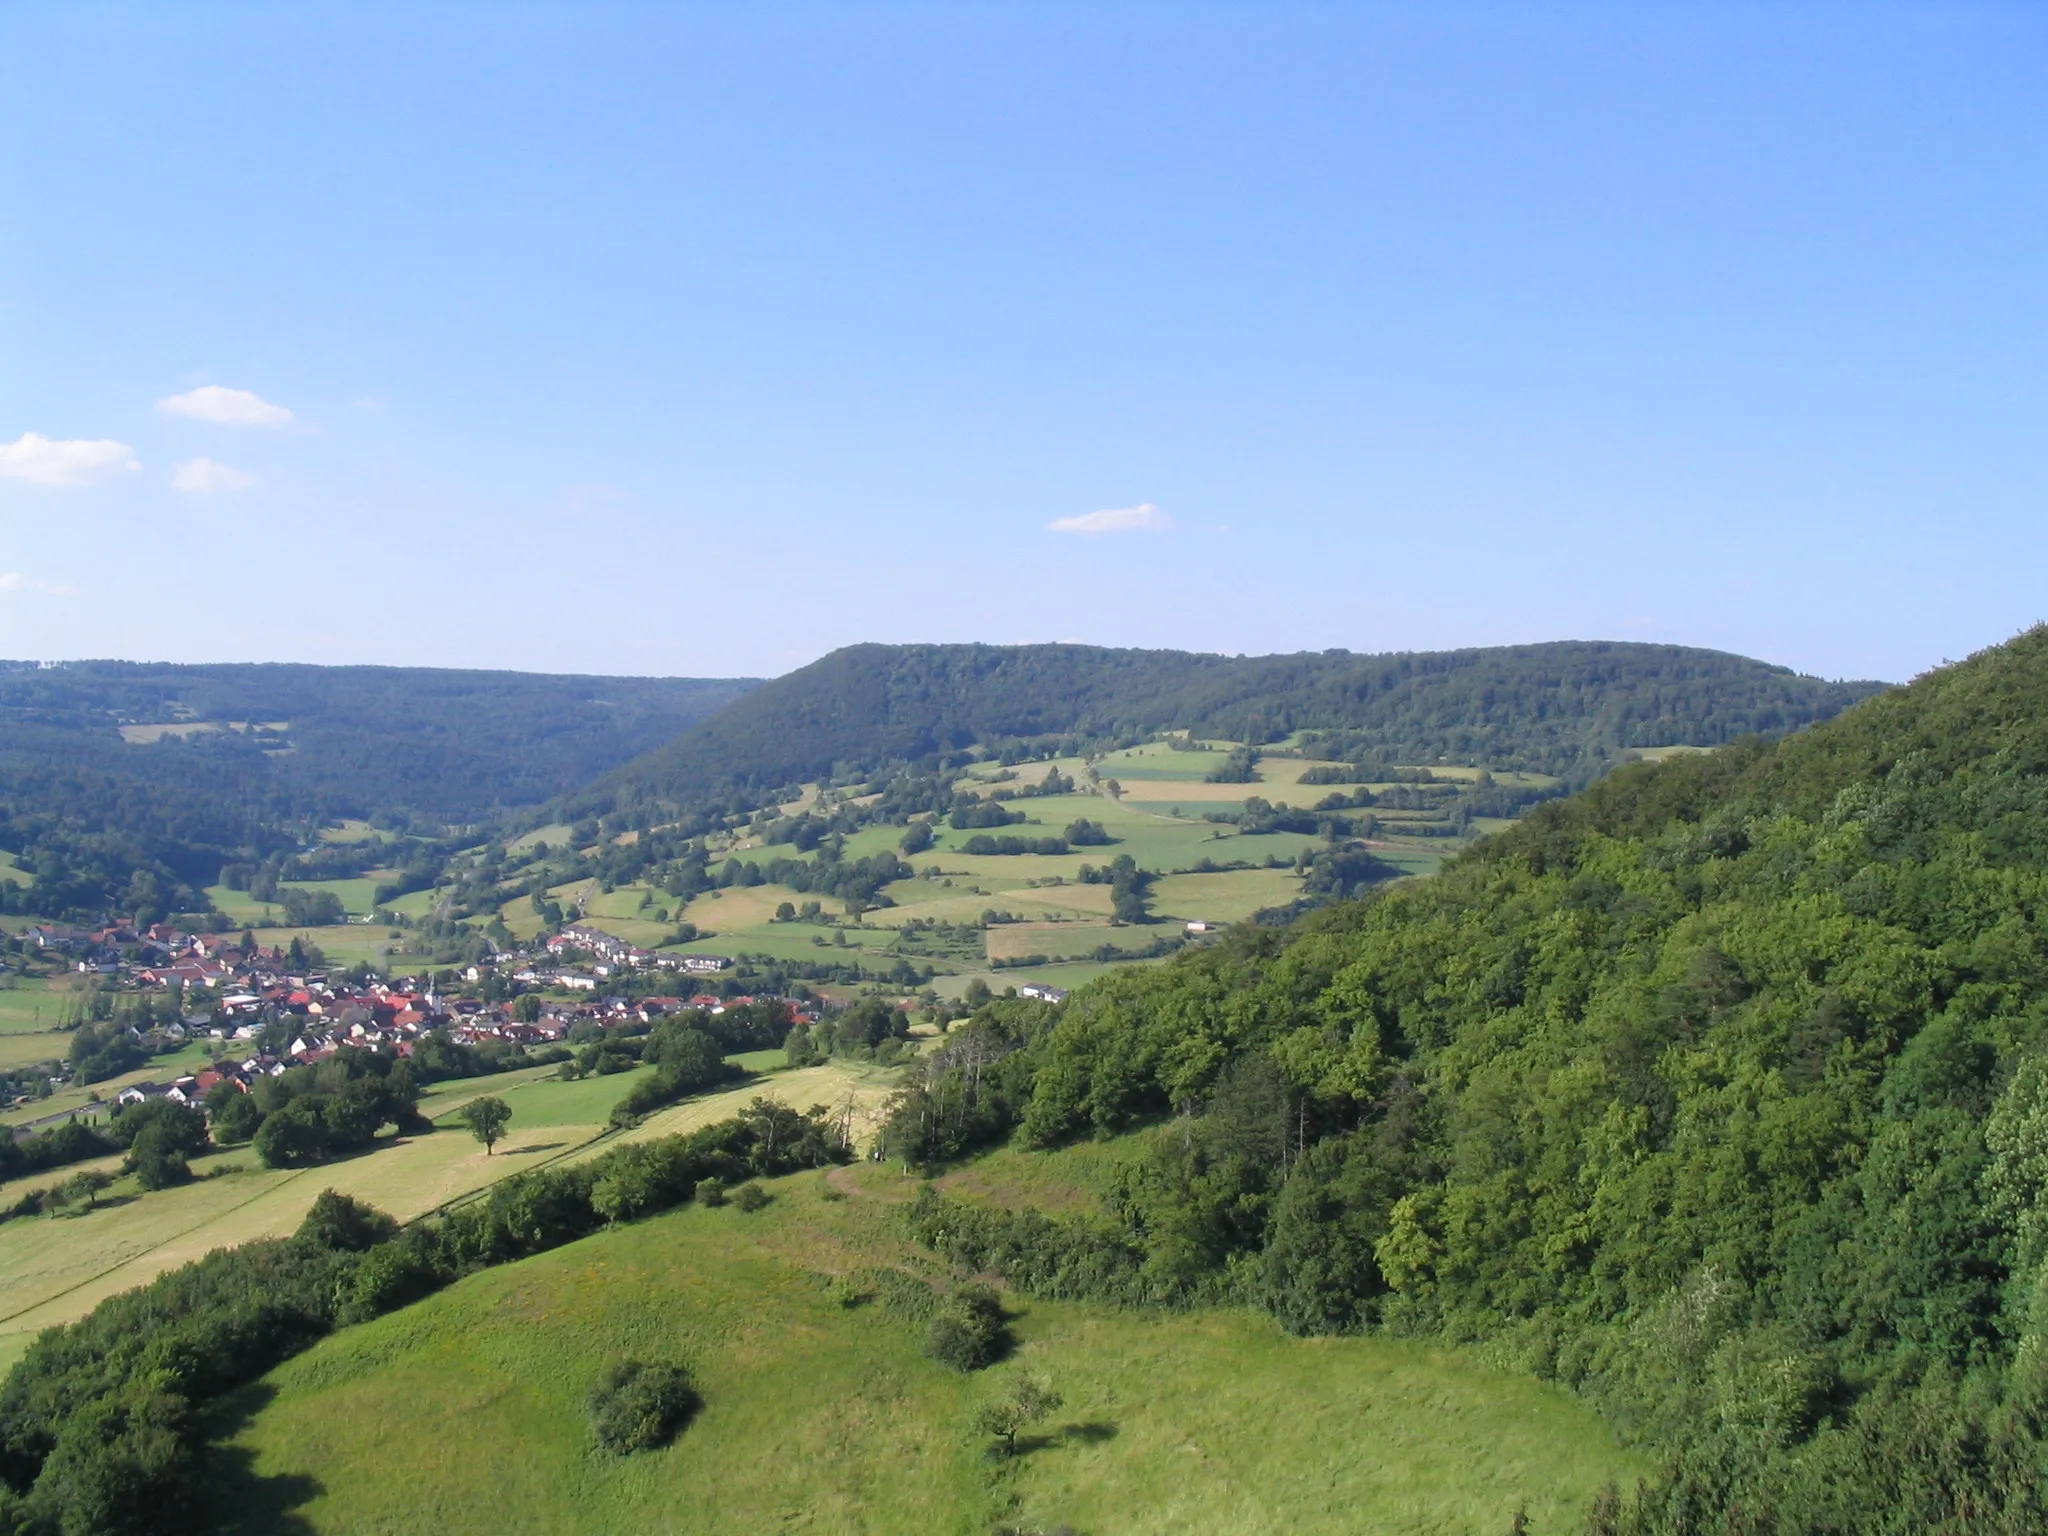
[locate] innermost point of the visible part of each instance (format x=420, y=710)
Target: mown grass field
x=30, y=1009
x=1012, y=941
x=343, y=943
x=54, y=1269
x=465, y=1413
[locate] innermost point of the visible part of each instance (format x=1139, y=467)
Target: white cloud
x=64, y=461
x=234, y=407
x=12, y=582
x=1143, y=518
x=581, y=498
x=206, y=476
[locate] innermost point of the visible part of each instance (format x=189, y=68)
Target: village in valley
x=247, y=999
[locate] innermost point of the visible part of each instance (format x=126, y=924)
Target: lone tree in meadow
x=1024, y=1405
x=486, y=1119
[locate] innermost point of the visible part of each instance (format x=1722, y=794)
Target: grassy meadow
x=465, y=1413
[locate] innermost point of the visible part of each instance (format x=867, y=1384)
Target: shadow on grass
x=1097, y=1432
x=239, y=1500
x=538, y=1146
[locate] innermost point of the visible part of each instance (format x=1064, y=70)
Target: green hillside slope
x=467, y=1412
x=1719, y=1092
x=1565, y=709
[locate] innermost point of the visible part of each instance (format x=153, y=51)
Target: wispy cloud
x=205, y=476
x=1143, y=518
x=12, y=582
x=581, y=498
x=232, y=407
x=43, y=460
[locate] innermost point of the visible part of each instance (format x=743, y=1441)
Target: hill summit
x=1568, y=708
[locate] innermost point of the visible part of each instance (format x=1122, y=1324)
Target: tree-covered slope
x=1719, y=1092
x=1565, y=708
x=254, y=755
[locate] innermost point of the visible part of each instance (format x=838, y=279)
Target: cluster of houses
x=609, y=956
x=248, y=992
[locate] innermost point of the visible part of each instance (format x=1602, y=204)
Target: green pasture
x=419, y=905
x=641, y=931
x=342, y=943
x=351, y=831
x=11, y=872
x=23, y=1048
x=29, y=1004
x=930, y=900
x=1228, y=896
x=240, y=907
x=1157, y=760
x=555, y=835
x=1066, y=974
x=628, y=901
x=466, y=1412
x=358, y=897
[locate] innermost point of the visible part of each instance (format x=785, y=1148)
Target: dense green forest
x=1718, y=1092
x=258, y=756
x=1567, y=709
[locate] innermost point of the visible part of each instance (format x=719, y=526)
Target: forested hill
x=107, y=768
x=1718, y=1092
x=1566, y=708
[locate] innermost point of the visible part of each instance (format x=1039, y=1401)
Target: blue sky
x=700, y=340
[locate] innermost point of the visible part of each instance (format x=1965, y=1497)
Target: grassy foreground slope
x=466, y=1412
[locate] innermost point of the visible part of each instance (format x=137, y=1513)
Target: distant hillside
x=110, y=767
x=1567, y=708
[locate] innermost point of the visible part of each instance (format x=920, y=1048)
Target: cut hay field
x=1011, y=941
x=465, y=1412
x=55, y=1269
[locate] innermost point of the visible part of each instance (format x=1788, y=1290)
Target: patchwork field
x=465, y=1413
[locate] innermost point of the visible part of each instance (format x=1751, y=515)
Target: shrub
x=157, y=1163
x=641, y=1407
x=345, y=1225
x=711, y=1192
x=969, y=1331
x=750, y=1197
